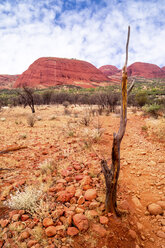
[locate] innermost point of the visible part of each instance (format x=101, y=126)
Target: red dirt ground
x=61, y=138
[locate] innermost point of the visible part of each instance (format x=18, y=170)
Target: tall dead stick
x=112, y=174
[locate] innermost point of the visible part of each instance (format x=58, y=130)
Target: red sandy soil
x=64, y=140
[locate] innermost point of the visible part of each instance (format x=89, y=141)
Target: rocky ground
x=52, y=192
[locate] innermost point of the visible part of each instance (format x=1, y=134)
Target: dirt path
x=142, y=178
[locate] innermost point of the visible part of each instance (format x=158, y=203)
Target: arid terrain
x=59, y=167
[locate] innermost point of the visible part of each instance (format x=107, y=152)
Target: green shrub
x=141, y=98
x=152, y=109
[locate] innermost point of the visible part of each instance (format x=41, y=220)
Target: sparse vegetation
x=47, y=166
x=27, y=199
x=31, y=119
x=152, y=109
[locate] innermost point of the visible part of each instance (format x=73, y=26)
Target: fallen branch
x=11, y=149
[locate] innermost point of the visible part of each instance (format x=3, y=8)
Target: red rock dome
x=7, y=81
x=109, y=70
x=145, y=70
x=49, y=71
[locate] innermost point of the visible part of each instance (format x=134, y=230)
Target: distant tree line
x=106, y=99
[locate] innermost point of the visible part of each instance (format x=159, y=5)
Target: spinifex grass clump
x=47, y=165
x=31, y=120
x=27, y=199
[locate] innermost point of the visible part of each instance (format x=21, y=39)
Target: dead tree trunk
x=27, y=97
x=112, y=174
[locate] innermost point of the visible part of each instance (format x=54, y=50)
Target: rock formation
x=109, y=70
x=49, y=71
x=7, y=81
x=145, y=70
x=138, y=69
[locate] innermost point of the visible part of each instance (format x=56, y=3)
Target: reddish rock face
x=46, y=72
x=138, y=69
x=145, y=70
x=163, y=68
x=7, y=81
x=109, y=70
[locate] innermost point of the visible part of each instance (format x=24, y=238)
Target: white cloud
x=33, y=29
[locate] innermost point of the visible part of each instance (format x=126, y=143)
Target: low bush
x=31, y=120
x=153, y=109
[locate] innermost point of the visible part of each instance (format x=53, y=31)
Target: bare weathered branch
x=111, y=174
x=11, y=149
x=131, y=87
x=128, y=36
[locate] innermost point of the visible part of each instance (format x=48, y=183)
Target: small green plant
x=152, y=109
x=144, y=128
x=141, y=98
x=31, y=120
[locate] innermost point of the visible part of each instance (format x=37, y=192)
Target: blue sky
x=91, y=30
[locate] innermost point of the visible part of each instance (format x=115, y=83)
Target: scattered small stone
x=48, y=222
x=152, y=240
x=24, y=235
x=132, y=233
x=64, y=196
x=72, y=231
x=31, y=243
x=16, y=217
x=139, y=226
x=4, y=223
x=81, y=200
x=81, y=221
x=152, y=163
x=3, y=119
x=136, y=202
x=50, y=231
x=161, y=234
x=91, y=213
x=162, y=222
x=24, y=217
x=162, y=204
x=154, y=209
x=99, y=229
x=90, y=194
x=79, y=210
x=103, y=220
x=94, y=205
x=78, y=193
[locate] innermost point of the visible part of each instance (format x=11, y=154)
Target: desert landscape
x=52, y=191
x=82, y=116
